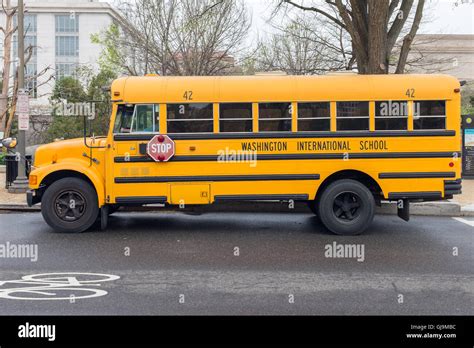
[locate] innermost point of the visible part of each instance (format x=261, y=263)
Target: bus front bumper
x=32, y=197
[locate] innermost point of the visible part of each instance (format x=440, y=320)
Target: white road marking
x=467, y=222
x=56, y=286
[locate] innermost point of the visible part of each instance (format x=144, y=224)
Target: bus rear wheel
x=346, y=207
x=70, y=205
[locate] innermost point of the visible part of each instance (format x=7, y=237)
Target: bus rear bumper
x=452, y=187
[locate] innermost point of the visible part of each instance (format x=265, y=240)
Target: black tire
x=70, y=205
x=346, y=207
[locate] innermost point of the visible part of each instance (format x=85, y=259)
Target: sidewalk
x=9, y=199
x=461, y=205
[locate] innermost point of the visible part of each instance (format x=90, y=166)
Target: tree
x=9, y=88
x=374, y=26
x=171, y=37
x=8, y=32
x=301, y=47
x=71, y=90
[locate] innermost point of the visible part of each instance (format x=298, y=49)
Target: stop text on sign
x=160, y=148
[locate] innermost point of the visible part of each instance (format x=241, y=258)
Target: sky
x=445, y=17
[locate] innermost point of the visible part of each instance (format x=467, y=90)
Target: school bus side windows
x=235, y=117
x=274, y=117
x=314, y=117
x=190, y=118
x=391, y=115
x=429, y=114
x=352, y=115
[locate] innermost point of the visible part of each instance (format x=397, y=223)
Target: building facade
x=451, y=54
x=59, y=33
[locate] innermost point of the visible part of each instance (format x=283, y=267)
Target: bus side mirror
x=9, y=143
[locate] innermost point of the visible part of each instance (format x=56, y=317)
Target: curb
x=19, y=207
x=387, y=208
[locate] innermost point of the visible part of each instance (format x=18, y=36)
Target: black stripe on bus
x=278, y=135
x=311, y=156
x=415, y=195
x=268, y=177
x=417, y=175
x=288, y=197
x=141, y=200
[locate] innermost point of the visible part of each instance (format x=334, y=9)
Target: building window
x=29, y=23
x=67, y=23
x=352, y=115
x=429, y=114
x=391, y=115
x=190, y=118
x=314, y=117
x=274, y=117
x=30, y=44
x=67, y=46
x=235, y=117
x=31, y=81
x=65, y=70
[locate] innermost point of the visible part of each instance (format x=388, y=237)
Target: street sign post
x=468, y=147
x=23, y=110
x=20, y=185
x=161, y=148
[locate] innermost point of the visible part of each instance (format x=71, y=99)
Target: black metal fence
x=11, y=172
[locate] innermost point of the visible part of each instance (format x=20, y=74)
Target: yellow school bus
x=342, y=143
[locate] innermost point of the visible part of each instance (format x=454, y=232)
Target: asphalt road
x=165, y=259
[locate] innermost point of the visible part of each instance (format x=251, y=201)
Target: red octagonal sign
x=161, y=148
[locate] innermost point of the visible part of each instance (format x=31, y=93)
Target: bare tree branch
x=317, y=10
x=409, y=38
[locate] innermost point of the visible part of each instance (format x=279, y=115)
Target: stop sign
x=161, y=148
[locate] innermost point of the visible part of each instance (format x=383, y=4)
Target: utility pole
x=20, y=185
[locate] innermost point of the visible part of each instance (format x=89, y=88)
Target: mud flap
x=104, y=217
x=403, y=209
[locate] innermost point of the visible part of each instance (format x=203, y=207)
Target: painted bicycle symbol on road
x=55, y=286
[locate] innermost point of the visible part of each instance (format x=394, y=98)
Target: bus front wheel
x=70, y=205
x=346, y=207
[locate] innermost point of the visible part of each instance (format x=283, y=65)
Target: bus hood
x=64, y=149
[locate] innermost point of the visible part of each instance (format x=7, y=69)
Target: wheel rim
x=70, y=205
x=347, y=206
